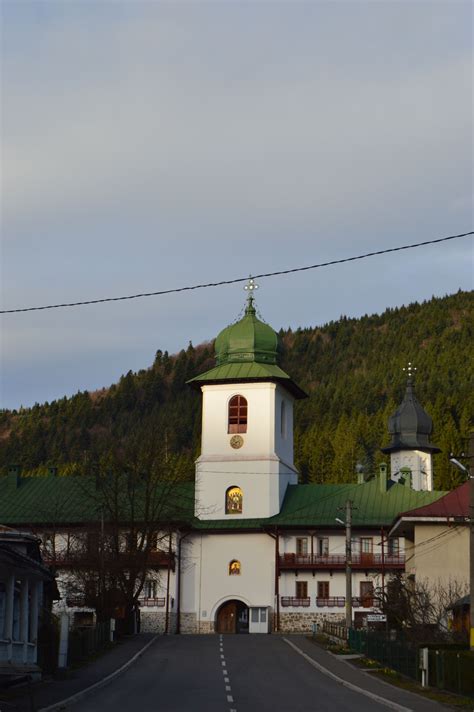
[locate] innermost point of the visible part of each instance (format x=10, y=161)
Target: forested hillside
x=352, y=369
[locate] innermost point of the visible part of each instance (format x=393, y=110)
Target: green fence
x=449, y=668
x=394, y=654
x=85, y=642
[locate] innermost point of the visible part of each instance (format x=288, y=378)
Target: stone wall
x=152, y=621
x=155, y=621
x=303, y=622
x=190, y=624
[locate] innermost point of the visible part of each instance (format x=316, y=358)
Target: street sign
x=376, y=618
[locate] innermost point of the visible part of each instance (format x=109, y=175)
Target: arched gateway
x=232, y=617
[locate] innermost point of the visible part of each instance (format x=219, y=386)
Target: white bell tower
x=246, y=460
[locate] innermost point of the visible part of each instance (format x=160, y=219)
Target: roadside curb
x=101, y=683
x=382, y=700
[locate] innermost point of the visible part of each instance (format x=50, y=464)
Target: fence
x=448, y=668
x=395, y=654
x=84, y=642
x=451, y=670
x=335, y=630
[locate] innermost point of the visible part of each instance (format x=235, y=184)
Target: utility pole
x=348, y=524
x=469, y=472
x=348, y=564
x=471, y=542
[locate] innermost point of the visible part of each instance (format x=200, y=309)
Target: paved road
x=224, y=674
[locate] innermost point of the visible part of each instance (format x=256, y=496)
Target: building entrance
x=232, y=617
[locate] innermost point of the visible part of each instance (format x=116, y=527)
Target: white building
x=261, y=552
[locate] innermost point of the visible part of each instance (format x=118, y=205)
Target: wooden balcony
x=295, y=602
x=337, y=562
x=152, y=602
x=84, y=559
x=330, y=602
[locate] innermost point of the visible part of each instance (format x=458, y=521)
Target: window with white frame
x=149, y=588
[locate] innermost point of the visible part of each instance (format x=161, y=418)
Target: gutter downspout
x=167, y=615
x=277, y=578
x=382, y=532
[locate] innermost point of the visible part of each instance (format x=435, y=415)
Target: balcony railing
x=330, y=602
x=152, y=602
x=295, y=602
x=83, y=559
x=338, y=561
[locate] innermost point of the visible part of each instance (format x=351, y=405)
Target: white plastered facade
x=419, y=462
x=262, y=467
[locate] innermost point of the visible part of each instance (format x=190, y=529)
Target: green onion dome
x=248, y=340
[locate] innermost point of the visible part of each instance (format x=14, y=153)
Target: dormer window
x=237, y=422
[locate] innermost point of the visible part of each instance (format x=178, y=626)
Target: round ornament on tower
x=236, y=441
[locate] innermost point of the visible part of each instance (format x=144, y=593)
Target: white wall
x=420, y=464
x=262, y=467
x=206, y=582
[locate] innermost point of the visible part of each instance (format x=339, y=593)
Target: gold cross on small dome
x=251, y=285
x=410, y=370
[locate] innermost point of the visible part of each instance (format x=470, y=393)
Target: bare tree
x=419, y=608
x=137, y=498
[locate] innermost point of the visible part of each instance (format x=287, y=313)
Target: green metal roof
x=319, y=505
x=74, y=500
x=248, y=372
x=250, y=339
x=248, y=351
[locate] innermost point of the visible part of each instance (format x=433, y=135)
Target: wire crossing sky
x=238, y=279
x=150, y=145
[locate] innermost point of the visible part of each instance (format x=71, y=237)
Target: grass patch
x=323, y=641
x=444, y=698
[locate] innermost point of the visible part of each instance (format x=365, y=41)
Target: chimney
x=14, y=472
x=405, y=477
x=383, y=477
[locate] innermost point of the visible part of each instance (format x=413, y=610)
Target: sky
x=152, y=145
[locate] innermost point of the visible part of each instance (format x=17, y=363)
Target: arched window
x=234, y=568
x=283, y=419
x=233, y=500
x=237, y=415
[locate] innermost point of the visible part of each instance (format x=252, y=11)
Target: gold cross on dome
x=250, y=287
x=410, y=370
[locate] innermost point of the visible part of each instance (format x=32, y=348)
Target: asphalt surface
x=237, y=674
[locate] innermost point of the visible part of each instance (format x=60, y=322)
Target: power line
x=238, y=279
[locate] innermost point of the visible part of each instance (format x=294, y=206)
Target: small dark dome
x=410, y=426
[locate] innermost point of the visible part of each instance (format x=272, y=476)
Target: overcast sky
x=149, y=145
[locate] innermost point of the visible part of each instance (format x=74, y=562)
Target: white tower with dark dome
x=411, y=452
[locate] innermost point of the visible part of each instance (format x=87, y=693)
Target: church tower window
x=234, y=568
x=233, y=500
x=237, y=422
